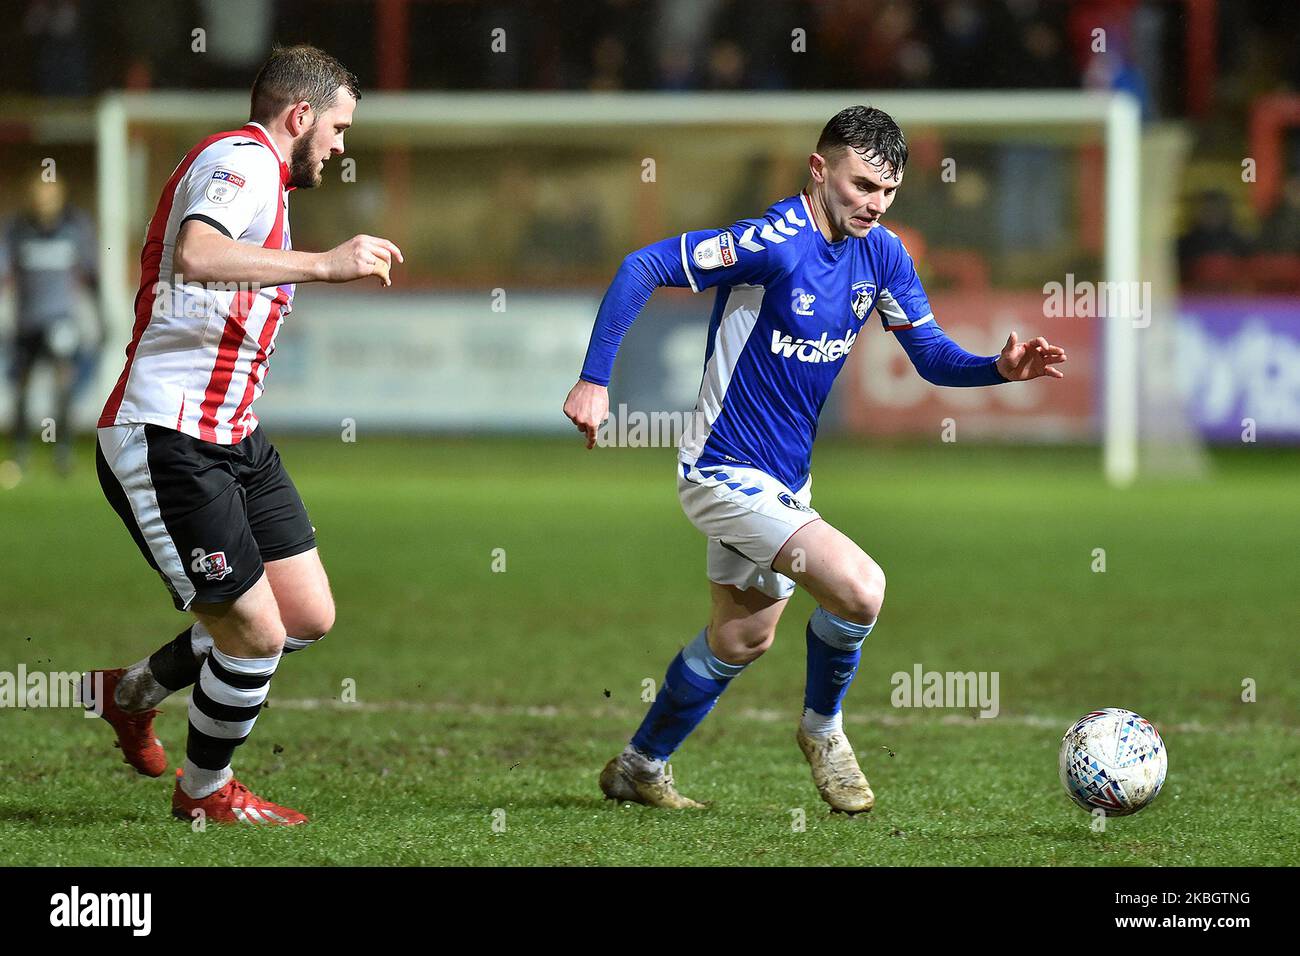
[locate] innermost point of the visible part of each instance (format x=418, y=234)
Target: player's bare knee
x=252, y=632
x=758, y=649
x=263, y=638
x=744, y=653
x=324, y=620
x=864, y=595
x=739, y=642
x=313, y=623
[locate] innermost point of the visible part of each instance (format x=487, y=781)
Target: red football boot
x=135, y=736
x=233, y=803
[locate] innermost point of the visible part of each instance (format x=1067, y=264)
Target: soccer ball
x=1113, y=760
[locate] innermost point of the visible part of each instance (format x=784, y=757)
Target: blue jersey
x=789, y=307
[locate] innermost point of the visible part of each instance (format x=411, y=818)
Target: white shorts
x=748, y=516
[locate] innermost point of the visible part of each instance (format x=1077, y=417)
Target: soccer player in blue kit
x=795, y=288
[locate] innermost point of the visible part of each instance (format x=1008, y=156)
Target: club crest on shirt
x=223, y=186
x=211, y=564
x=801, y=302
x=861, y=297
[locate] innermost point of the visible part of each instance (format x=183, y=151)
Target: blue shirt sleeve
x=640, y=273
x=902, y=302
x=750, y=252
x=905, y=310
x=941, y=361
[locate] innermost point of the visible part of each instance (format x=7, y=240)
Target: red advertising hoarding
x=882, y=394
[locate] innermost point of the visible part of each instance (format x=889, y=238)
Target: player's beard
x=303, y=166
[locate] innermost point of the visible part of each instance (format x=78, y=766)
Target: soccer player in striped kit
x=795, y=288
x=180, y=455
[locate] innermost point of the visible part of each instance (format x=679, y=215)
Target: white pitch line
x=902, y=717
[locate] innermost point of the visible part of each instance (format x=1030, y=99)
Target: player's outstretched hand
x=359, y=257
x=1021, y=361
x=587, y=407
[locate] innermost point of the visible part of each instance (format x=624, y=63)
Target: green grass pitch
x=486, y=702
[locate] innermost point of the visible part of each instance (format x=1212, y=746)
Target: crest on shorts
x=790, y=501
x=212, y=565
x=861, y=297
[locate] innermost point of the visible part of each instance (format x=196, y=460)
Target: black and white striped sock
x=174, y=666
x=292, y=644
x=223, y=708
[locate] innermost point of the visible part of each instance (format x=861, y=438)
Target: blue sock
x=834, y=650
x=694, y=681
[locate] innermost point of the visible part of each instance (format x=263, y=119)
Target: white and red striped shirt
x=198, y=354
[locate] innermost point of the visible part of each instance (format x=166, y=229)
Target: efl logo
x=223, y=185
x=813, y=350
x=715, y=253
x=74, y=908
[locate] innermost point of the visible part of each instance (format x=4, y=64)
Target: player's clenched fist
x=359, y=257
x=587, y=407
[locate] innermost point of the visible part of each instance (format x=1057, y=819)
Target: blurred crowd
x=1216, y=253
x=71, y=48
x=74, y=47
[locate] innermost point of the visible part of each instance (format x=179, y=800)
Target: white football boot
x=836, y=773
x=622, y=782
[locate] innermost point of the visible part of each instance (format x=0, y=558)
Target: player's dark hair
x=866, y=130
x=295, y=73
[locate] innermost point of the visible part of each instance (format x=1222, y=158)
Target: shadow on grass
x=44, y=815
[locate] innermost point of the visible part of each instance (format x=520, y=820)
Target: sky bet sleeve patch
x=716, y=252
x=224, y=185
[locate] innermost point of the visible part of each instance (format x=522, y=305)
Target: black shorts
x=34, y=345
x=205, y=516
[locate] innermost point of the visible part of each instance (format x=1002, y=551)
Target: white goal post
x=1115, y=116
